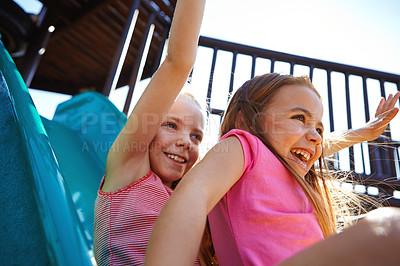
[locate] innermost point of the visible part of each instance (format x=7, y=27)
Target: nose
x=183, y=141
x=314, y=136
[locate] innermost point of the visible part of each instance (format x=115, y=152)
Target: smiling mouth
x=176, y=158
x=302, y=155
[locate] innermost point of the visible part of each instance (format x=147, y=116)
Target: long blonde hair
x=243, y=111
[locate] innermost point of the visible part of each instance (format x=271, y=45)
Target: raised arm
x=385, y=112
x=148, y=114
x=177, y=234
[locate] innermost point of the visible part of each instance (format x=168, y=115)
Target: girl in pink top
x=268, y=202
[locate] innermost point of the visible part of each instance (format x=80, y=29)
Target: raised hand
x=385, y=112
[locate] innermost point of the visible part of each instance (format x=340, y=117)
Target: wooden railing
x=349, y=93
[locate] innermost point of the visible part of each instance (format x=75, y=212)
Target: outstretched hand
x=385, y=112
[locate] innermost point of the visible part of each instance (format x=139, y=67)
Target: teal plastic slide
x=50, y=172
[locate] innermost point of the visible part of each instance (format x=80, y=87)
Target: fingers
x=388, y=104
x=389, y=115
x=391, y=101
x=380, y=106
x=395, y=99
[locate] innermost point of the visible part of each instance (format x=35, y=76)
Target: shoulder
x=216, y=173
x=239, y=134
x=247, y=140
x=227, y=148
x=147, y=183
x=252, y=147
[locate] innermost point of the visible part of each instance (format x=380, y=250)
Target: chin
x=171, y=178
x=299, y=170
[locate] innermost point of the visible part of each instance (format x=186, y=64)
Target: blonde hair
x=243, y=111
x=190, y=96
x=202, y=107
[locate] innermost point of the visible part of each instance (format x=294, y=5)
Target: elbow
x=384, y=224
x=180, y=62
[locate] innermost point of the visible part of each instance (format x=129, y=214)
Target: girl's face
x=175, y=148
x=292, y=124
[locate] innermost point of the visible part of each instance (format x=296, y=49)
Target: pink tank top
x=265, y=217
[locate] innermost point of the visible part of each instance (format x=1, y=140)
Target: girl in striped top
x=157, y=146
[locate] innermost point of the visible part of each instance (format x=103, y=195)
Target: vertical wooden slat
x=349, y=122
x=366, y=103
x=272, y=65
x=120, y=54
x=291, y=68
x=233, y=69
x=330, y=106
x=310, y=75
x=253, y=66
x=210, y=80
x=136, y=67
x=33, y=55
x=330, y=101
x=388, y=154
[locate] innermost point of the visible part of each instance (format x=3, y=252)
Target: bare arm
x=372, y=241
x=125, y=163
x=385, y=112
x=178, y=231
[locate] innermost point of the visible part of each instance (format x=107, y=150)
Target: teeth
x=306, y=156
x=176, y=158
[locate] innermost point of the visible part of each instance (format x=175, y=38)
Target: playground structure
x=52, y=168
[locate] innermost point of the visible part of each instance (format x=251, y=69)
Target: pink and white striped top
x=124, y=220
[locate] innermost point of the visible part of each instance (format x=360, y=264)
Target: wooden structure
x=78, y=45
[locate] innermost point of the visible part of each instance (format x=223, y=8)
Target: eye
x=320, y=131
x=299, y=117
x=197, y=137
x=169, y=124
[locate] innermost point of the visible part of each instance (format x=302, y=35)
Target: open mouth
x=176, y=158
x=302, y=155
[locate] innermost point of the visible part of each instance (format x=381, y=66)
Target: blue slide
x=50, y=172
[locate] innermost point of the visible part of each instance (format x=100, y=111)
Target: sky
x=356, y=32
x=360, y=33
